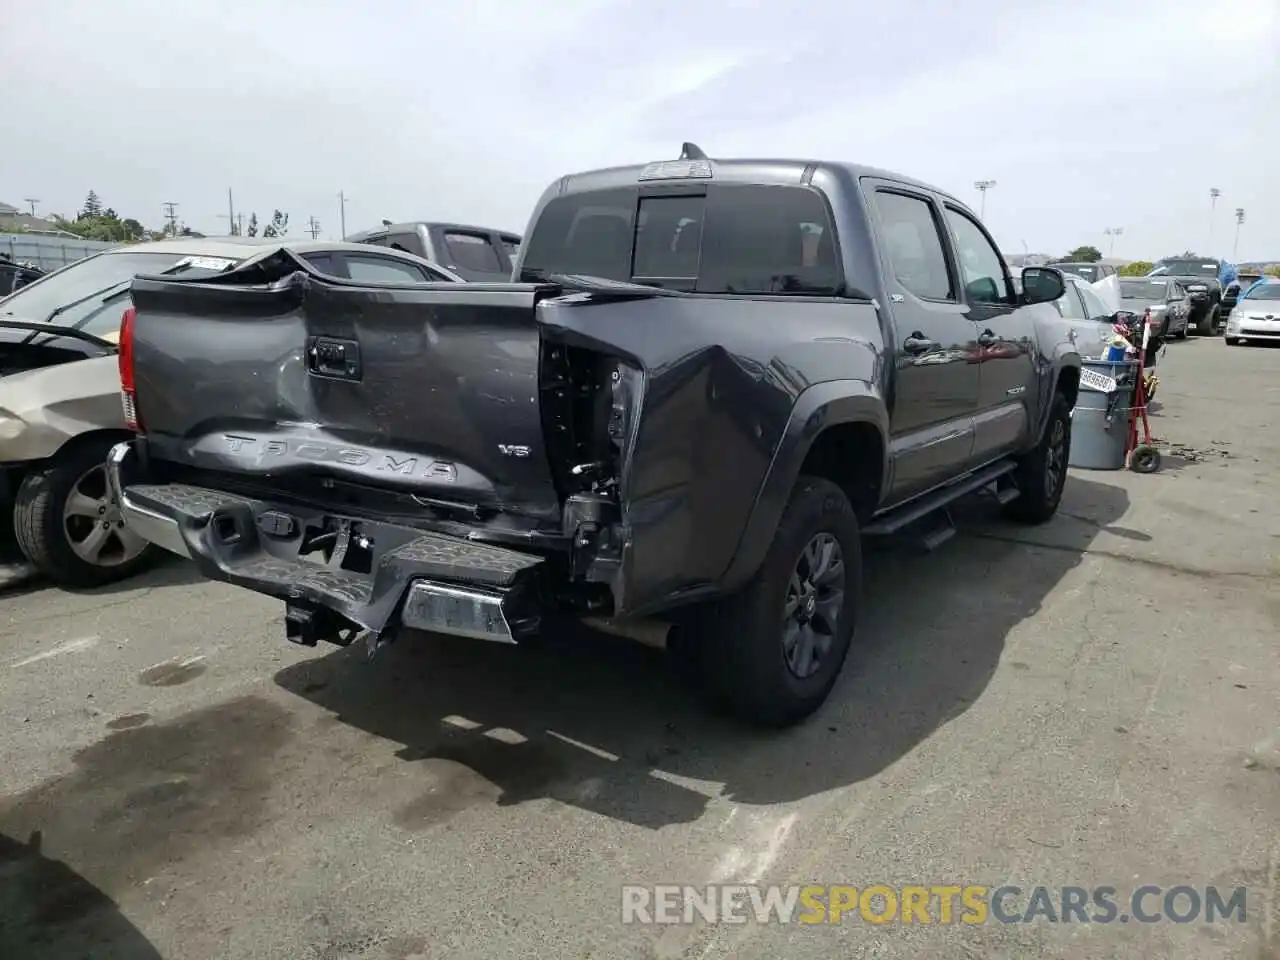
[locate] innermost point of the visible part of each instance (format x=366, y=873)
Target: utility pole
x=171, y=214
x=982, y=186
x=33, y=203
x=1235, y=247
x=1112, y=232
x=313, y=227
x=231, y=214
x=342, y=212
x=1214, y=194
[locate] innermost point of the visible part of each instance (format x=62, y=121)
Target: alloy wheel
x=814, y=600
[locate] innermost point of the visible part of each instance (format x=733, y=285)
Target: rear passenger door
x=935, y=383
x=1006, y=340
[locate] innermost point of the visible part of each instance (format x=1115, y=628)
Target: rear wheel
x=1232, y=341
x=1042, y=474
x=68, y=526
x=772, y=653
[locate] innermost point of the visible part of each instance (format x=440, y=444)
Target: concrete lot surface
x=1091, y=703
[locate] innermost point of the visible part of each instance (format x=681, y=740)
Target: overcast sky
x=1088, y=114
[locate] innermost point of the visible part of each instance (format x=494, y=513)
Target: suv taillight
x=128, y=389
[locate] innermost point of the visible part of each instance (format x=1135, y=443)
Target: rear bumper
x=375, y=575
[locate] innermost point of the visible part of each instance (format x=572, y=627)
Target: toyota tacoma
x=709, y=380
x=1200, y=277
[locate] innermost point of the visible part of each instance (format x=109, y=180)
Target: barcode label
x=1097, y=381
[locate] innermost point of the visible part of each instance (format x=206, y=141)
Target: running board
x=914, y=510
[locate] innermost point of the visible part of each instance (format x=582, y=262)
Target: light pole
x=1112, y=232
x=1235, y=247
x=982, y=186
x=342, y=212
x=1214, y=194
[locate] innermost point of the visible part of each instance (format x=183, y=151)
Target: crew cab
x=473, y=253
x=1200, y=277
x=711, y=379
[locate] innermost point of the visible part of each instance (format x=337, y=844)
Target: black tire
x=1038, y=500
x=44, y=536
x=1182, y=334
x=737, y=646
x=1232, y=341
x=1143, y=459
x=1209, y=325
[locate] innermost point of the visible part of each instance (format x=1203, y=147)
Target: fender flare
x=1063, y=360
x=818, y=407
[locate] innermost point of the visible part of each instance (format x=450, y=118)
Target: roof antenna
x=691, y=151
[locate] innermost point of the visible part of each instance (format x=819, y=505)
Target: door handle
x=918, y=343
x=987, y=338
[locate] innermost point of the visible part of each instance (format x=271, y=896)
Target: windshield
x=1085, y=270
x=1187, y=268
x=1264, y=291
x=98, y=281
x=1143, y=289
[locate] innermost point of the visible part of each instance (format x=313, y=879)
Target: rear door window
x=474, y=251
x=374, y=269
x=913, y=243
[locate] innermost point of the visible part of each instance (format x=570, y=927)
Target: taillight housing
x=128, y=387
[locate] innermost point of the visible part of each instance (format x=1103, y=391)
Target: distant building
x=13, y=220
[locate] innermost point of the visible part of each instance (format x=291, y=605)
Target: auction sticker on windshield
x=205, y=263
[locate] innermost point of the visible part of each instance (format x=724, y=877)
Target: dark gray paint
x=735, y=389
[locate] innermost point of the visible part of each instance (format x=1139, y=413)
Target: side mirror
x=1042, y=285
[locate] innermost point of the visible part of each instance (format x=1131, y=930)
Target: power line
x=171, y=214
x=313, y=227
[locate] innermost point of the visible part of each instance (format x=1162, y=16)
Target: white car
x=1256, y=315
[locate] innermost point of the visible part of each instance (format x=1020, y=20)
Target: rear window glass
x=738, y=239
x=470, y=251
x=512, y=249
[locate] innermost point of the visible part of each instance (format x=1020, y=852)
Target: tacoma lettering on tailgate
x=404, y=464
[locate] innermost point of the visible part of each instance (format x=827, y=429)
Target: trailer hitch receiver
x=307, y=625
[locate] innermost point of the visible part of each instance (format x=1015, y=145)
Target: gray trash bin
x=1100, y=420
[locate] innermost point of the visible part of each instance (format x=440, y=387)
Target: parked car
x=1089, y=321
x=1199, y=277
x=1092, y=272
x=1256, y=316
x=694, y=418
x=478, y=254
x=15, y=276
x=60, y=393
x=1164, y=297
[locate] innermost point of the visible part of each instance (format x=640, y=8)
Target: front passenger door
x=1006, y=344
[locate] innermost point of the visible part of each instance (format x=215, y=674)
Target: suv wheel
x=772, y=653
x=1209, y=325
x=1042, y=474
x=68, y=526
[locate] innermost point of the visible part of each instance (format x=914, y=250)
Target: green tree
x=279, y=225
x=1085, y=254
x=92, y=207
x=252, y=229
x=1139, y=268
x=1273, y=270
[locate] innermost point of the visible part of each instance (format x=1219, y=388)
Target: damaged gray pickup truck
x=708, y=380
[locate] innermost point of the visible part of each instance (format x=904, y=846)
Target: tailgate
x=274, y=369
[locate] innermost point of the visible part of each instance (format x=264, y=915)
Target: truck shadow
x=50, y=912
x=599, y=722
